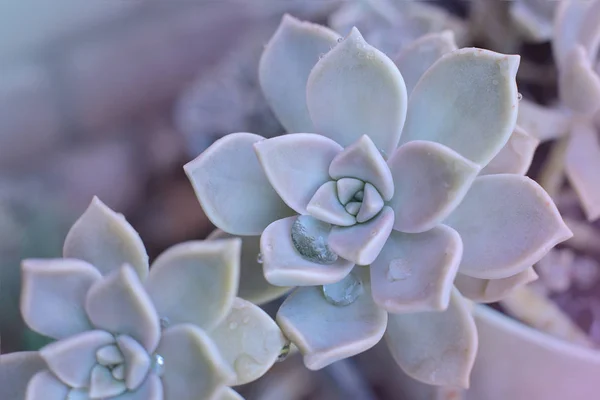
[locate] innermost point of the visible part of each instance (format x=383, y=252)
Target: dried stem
x=541, y=313
x=553, y=171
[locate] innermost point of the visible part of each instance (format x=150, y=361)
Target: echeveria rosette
x=127, y=332
x=431, y=217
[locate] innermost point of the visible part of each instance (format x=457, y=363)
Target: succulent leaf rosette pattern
x=389, y=202
x=127, y=332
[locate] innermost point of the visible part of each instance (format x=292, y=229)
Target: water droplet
x=495, y=82
x=344, y=292
x=398, y=269
x=309, y=236
x=284, y=353
x=233, y=325
x=165, y=323
x=259, y=258
x=246, y=319
x=340, y=40
x=519, y=96
x=383, y=154
x=158, y=364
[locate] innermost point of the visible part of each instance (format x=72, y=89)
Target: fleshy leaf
x=362, y=243
x=137, y=361
x=326, y=333
x=507, y=223
x=362, y=160
x=72, y=359
x=227, y=393
x=542, y=122
x=151, y=389
x=579, y=84
x=492, y=290
x=582, y=165
x=421, y=54
x=437, y=348
x=109, y=355
x=355, y=90
x=567, y=24
x=372, y=203
x=252, y=286
x=44, y=385
x=474, y=112
x=232, y=188
x=285, y=65
x=249, y=340
x=193, y=367
x=325, y=206
x=297, y=165
x=515, y=157
x=103, y=384
x=196, y=282
x=430, y=181
x=415, y=272
x=18, y=369
x=120, y=305
x=284, y=265
x=53, y=295
x=347, y=188
x=106, y=240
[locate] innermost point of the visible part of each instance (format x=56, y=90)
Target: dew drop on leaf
x=344, y=292
x=398, y=269
x=309, y=236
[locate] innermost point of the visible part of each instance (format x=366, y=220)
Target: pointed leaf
x=249, y=340
x=227, y=393
x=103, y=384
x=356, y=89
x=362, y=243
x=417, y=57
x=347, y=188
x=474, y=112
x=252, y=283
x=196, y=282
x=515, y=157
x=193, y=369
x=325, y=206
x=582, y=164
x=44, y=385
x=18, y=369
x=507, y=223
x=372, y=203
x=541, y=122
x=54, y=288
x=492, y=290
x=415, y=272
x=284, y=265
x=106, y=240
x=284, y=67
x=120, y=305
x=326, y=333
x=297, y=165
x=579, y=84
x=72, y=359
x=232, y=188
x=151, y=389
x=137, y=361
x=430, y=181
x=109, y=355
x=437, y=348
x=362, y=160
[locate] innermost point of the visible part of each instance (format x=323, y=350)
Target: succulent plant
x=176, y=331
x=576, y=48
x=414, y=218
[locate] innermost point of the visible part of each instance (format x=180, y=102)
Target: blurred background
x=111, y=98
